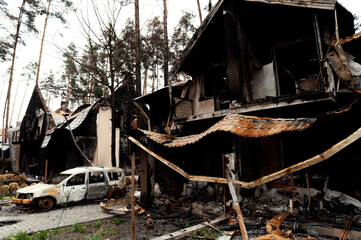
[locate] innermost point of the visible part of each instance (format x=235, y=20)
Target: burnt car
x=74, y=185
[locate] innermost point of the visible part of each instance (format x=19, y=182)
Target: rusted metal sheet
x=319, y=4
x=246, y=126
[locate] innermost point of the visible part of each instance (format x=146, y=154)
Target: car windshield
x=57, y=179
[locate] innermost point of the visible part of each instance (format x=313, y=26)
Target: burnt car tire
x=117, y=194
x=46, y=204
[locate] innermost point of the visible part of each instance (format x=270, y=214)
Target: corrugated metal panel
x=46, y=141
x=247, y=126
x=80, y=118
x=58, y=118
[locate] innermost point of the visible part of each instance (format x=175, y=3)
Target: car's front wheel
x=46, y=203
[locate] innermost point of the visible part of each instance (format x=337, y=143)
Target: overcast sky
x=62, y=37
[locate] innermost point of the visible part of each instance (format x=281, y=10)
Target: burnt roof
x=246, y=126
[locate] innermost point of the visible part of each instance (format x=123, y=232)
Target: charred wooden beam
x=182, y=172
x=347, y=39
x=309, y=162
x=320, y=4
x=237, y=207
x=276, y=175
x=163, y=160
x=181, y=234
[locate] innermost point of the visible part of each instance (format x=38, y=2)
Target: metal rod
x=132, y=197
x=336, y=27
x=76, y=145
x=46, y=170
x=308, y=190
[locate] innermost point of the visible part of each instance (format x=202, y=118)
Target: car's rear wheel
x=46, y=203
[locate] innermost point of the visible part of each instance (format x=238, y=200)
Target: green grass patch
x=97, y=224
x=117, y=221
x=79, y=227
x=94, y=237
x=18, y=236
x=205, y=233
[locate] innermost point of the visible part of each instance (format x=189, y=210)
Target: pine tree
x=182, y=33
x=153, y=49
x=27, y=13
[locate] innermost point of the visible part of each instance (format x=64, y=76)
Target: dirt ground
x=120, y=228
x=166, y=220
x=115, y=228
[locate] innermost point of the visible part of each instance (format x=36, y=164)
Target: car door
x=75, y=188
x=98, y=185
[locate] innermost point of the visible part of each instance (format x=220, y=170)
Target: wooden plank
x=256, y=107
x=216, y=180
x=318, y=4
x=227, y=235
x=163, y=160
x=181, y=171
x=144, y=114
x=188, y=231
x=347, y=39
x=309, y=162
x=237, y=208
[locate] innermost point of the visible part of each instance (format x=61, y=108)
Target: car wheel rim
x=46, y=204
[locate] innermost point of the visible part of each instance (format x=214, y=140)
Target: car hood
x=37, y=188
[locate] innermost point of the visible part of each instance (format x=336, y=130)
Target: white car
x=73, y=185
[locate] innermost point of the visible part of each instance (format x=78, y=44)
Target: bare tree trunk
x=7, y=102
x=145, y=81
x=88, y=88
x=16, y=93
x=22, y=101
x=166, y=48
x=105, y=78
x=42, y=42
x=156, y=74
x=199, y=11
x=167, y=80
x=67, y=99
x=104, y=90
x=137, y=49
x=153, y=81
x=92, y=92
x=112, y=98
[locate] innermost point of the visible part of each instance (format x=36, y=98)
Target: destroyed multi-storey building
x=273, y=83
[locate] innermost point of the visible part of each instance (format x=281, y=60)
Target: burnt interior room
x=293, y=40
x=62, y=153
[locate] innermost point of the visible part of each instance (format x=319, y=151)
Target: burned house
x=274, y=90
x=91, y=128
x=36, y=122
